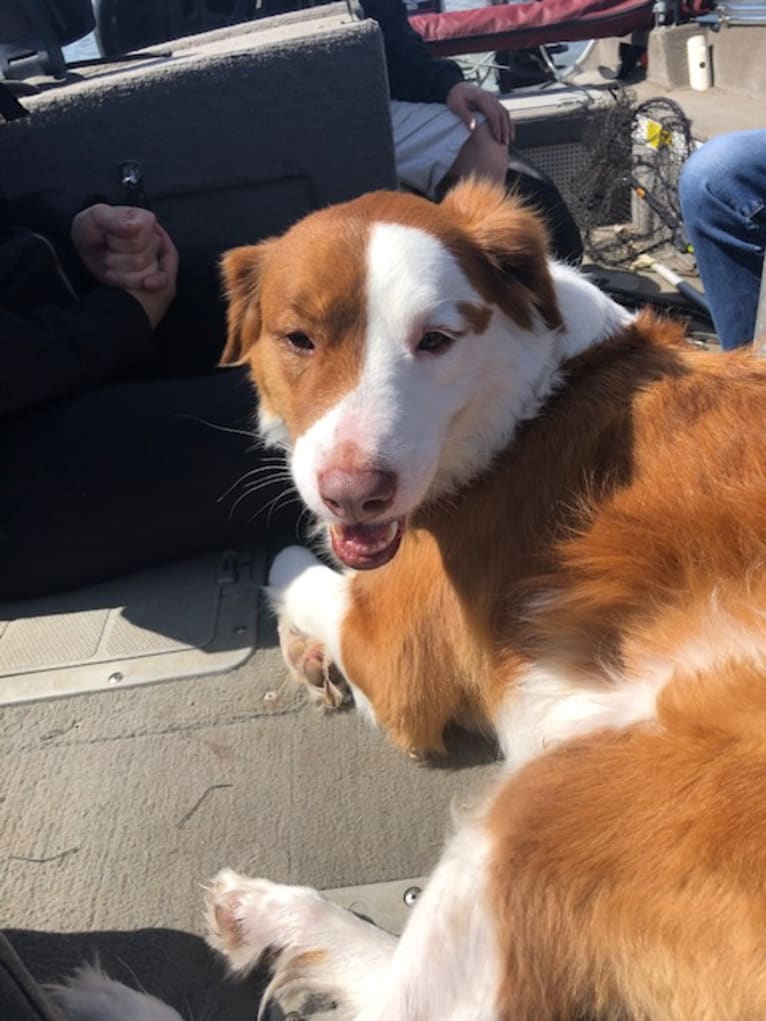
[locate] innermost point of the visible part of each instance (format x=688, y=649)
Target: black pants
x=539, y=191
x=178, y=968
x=132, y=474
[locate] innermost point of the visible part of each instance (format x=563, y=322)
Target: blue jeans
x=723, y=199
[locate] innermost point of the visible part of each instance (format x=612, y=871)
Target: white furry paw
x=90, y=995
x=303, y=593
x=312, y=946
x=308, y=663
x=253, y=920
x=287, y=566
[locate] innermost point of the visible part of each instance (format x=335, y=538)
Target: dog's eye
x=435, y=342
x=300, y=342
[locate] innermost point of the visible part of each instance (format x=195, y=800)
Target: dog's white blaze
x=437, y=420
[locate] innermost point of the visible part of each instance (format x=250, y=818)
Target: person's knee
x=713, y=169
x=481, y=154
x=693, y=183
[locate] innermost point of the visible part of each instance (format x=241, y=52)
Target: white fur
x=589, y=315
x=296, y=920
x=718, y=637
x=272, y=429
x=446, y=964
x=545, y=707
x=311, y=598
x=92, y=996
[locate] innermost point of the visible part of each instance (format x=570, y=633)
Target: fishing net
x=626, y=200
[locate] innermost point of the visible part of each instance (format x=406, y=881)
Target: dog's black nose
x=357, y=495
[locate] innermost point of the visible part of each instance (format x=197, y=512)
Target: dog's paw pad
x=252, y=921
x=223, y=912
x=308, y=662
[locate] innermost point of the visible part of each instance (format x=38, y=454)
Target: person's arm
x=414, y=74
x=56, y=352
x=53, y=349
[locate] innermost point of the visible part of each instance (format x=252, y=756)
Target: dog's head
x=395, y=344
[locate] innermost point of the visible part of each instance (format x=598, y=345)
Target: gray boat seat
x=235, y=134
x=32, y=33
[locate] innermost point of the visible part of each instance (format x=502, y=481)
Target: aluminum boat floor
x=117, y=805
x=190, y=618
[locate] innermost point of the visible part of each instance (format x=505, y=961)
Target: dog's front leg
x=313, y=948
x=445, y=967
x=311, y=601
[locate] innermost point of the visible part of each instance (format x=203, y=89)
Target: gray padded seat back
x=238, y=133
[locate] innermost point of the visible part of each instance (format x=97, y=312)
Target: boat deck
x=119, y=803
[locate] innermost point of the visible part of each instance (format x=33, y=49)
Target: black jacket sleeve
x=57, y=351
x=57, y=338
x=414, y=74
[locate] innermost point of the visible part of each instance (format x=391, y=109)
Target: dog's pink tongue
x=366, y=546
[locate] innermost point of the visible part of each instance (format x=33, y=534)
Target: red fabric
x=513, y=26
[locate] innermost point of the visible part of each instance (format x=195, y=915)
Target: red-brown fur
x=629, y=867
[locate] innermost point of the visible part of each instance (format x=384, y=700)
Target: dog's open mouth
x=366, y=546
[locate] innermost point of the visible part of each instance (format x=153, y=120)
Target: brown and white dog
x=554, y=515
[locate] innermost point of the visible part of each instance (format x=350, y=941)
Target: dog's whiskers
x=243, y=496
x=250, y=433
x=276, y=475
x=280, y=502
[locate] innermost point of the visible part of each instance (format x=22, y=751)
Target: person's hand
x=466, y=99
x=159, y=285
x=117, y=244
x=123, y=246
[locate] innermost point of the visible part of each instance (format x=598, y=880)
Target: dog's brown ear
x=241, y=270
x=514, y=243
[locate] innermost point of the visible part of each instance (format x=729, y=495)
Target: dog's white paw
x=313, y=947
x=287, y=566
x=308, y=663
x=252, y=920
x=297, y=592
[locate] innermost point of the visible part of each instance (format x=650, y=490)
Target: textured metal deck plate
x=185, y=619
